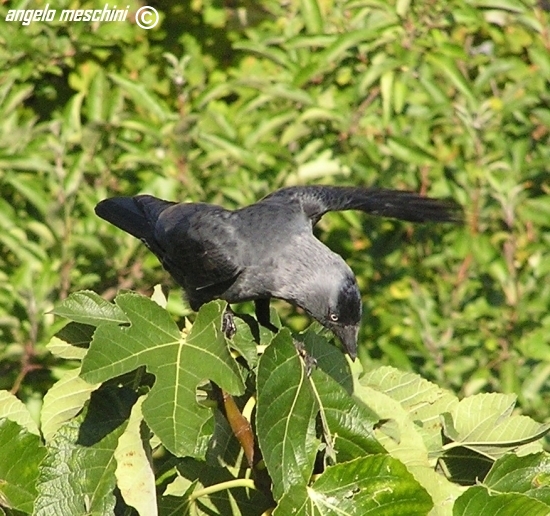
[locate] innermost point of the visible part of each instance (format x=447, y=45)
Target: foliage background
x=225, y=101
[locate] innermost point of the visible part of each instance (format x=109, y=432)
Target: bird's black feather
x=267, y=249
x=316, y=200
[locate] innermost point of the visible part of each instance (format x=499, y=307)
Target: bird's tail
x=135, y=215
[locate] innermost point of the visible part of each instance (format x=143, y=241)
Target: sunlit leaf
x=21, y=454
x=285, y=415
x=180, y=363
x=374, y=485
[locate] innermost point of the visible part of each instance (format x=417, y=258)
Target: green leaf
x=269, y=126
x=144, y=98
x=310, y=41
x=96, y=98
x=529, y=474
x=311, y=14
x=234, y=150
x=408, y=151
x=536, y=210
x=21, y=454
x=448, y=66
x=72, y=119
x=248, y=330
x=386, y=91
x=480, y=500
x=62, y=349
x=402, y=7
x=541, y=59
x=85, y=444
x=334, y=53
x=272, y=53
x=514, y=6
x=15, y=410
x=381, y=65
x=484, y=423
x=172, y=505
x=422, y=400
x=179, y=362
x=30, y=189
x=87, y=307
x=16, y=98
x=286, y=91
x=464, y=466
x=317, y=114
x=63, y=401
x=410, y=428
x=24, y=164
x=285, y=415
x=370, y=486
x=322, y=165
x=135, y=477
x=349, y=422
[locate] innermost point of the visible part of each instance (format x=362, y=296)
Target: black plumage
x=267, y=249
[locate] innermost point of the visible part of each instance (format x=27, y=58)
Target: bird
x=268, y=249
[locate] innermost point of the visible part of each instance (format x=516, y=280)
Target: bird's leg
x=310, y=362
x=262, y=314
x=228, y=323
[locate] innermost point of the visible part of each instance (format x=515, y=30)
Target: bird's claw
x=309, y=361
x=228, y=323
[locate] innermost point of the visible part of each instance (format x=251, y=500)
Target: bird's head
x=336, y=304
x=343, y=315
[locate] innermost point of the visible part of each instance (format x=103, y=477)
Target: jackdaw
x=267, y=249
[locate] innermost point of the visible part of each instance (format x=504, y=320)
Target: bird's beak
x=348, y=337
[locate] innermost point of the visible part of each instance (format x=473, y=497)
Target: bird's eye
x=333, y=317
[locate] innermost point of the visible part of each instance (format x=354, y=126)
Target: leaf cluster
x=144, y=413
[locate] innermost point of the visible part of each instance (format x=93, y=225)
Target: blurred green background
x=225, y=101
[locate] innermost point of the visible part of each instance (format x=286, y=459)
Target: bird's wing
x=200, y=243
x=191, y=240
x=316, y=200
